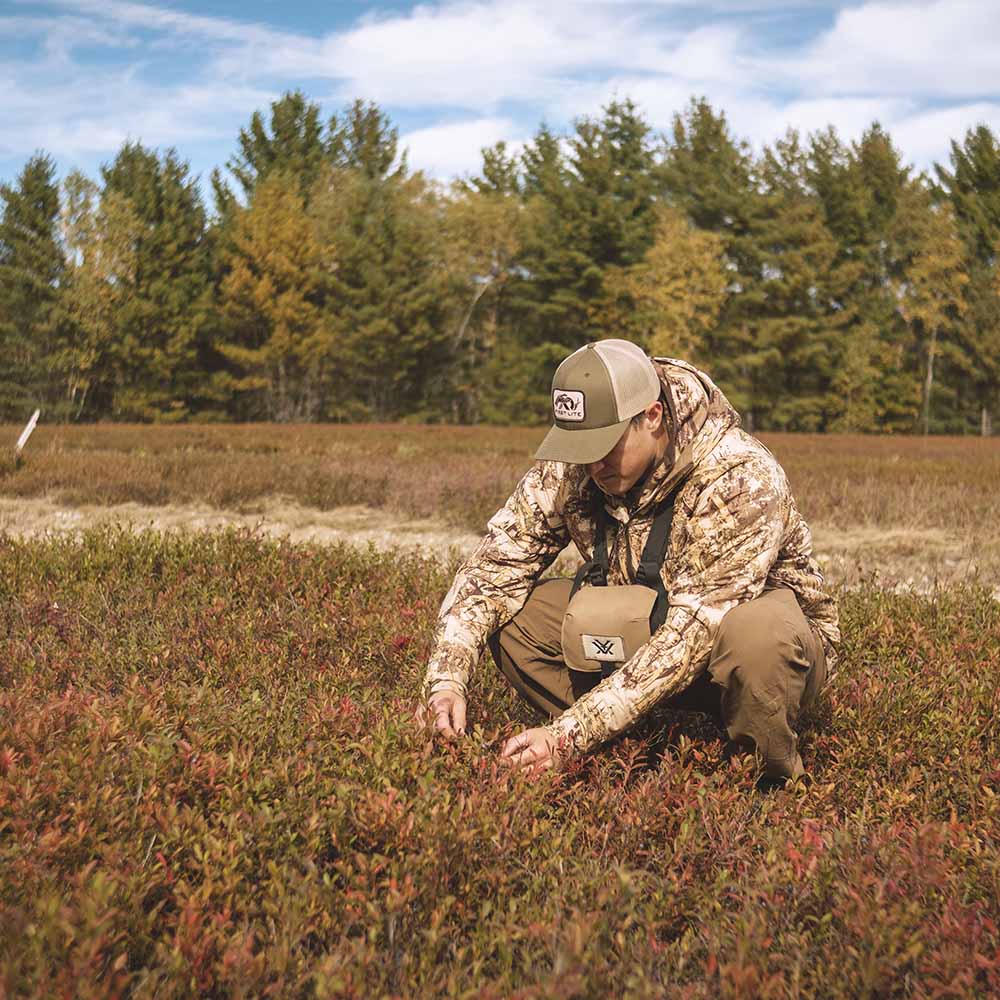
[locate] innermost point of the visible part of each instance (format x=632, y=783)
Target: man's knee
x=528, y=649
x=769, y=664
x=763, y=640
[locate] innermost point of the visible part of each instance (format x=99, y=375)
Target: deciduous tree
x=670, y=299
x=272, y=296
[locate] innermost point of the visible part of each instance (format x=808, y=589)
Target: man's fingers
x=533, y=750
x=458, y=717
x=442, y=720
x=448, y=714
x=517, y=745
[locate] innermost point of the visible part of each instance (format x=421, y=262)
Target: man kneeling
x=700, y=591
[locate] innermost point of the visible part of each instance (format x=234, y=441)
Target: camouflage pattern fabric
x=736, y=532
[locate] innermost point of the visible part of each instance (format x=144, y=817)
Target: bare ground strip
x=903, y=559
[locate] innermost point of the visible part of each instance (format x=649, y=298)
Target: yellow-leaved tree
x=100, y=235
x=482, y=239
x=278, y=340
x=672, y=297
x=931, y=289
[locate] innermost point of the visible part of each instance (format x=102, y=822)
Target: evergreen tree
x=31, y=267
x=364, y=139
x=874, y=383
x=387, y=301
x=163, y=354
x=501, y=172
x=710, y=175
x=588, y=212
x=800, y=317
x=291, y=142
x=973, y=187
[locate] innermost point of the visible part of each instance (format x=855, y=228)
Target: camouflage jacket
x=736, y=532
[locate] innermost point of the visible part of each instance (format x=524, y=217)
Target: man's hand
x=446, y=710
x=535, y=749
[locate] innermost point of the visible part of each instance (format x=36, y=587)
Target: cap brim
x=580, y=447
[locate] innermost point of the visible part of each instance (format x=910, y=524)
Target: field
x=912, y=511
x=210, y=783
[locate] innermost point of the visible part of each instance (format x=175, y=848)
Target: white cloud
x=448, y=151
x=764, y=122
x=155, y=18
x=478, y=55
x=928, y=69
x=926, y=136
x=940, y=48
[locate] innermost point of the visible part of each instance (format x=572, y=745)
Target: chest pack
x=605, y=625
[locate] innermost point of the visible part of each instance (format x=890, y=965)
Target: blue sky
x=79, y=77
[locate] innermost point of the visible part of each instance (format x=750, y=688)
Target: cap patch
x=568, y=405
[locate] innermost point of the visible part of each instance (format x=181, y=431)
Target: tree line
x=825, y=285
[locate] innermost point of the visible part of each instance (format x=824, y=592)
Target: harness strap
x=653, y=554
x=595, y=571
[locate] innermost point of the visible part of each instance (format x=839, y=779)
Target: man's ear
x=654, y=413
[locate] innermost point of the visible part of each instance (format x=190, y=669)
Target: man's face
x=637, y=451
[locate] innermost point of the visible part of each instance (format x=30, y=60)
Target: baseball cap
x=596, y=391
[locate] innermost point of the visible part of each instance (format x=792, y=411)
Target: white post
x=26, y=433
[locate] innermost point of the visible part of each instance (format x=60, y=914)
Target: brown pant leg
x=769, y=664
x=528, y=651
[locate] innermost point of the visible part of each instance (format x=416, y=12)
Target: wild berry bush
x=211, y=785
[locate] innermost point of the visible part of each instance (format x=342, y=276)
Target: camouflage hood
x=697, y=417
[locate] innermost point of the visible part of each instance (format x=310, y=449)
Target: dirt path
x=277, y=519
x=902, y=559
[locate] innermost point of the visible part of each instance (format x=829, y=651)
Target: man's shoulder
x=552, y=487
x=556, y=477
x=740, y=458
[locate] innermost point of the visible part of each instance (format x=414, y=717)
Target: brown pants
x=766, y=664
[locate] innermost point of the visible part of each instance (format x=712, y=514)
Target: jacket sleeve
x=522, y=539
x=724, y=553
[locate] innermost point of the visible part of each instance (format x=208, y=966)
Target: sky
x=80, y=77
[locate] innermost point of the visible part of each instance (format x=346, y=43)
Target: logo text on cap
x=568, y=405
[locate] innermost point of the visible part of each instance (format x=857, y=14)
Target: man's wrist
x=441, y=686
x=562, y=730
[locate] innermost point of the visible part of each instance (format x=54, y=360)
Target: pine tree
x=588, y=214
x=364, y=139
x=800, y=316
x=163, y=351
x=501, y=172
x=873, y=385
x=387, y=301
x=973, y=187
x=291, y=142
x=710, y=175
x=31, y=267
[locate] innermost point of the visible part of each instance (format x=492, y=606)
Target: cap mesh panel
x=633, y=378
